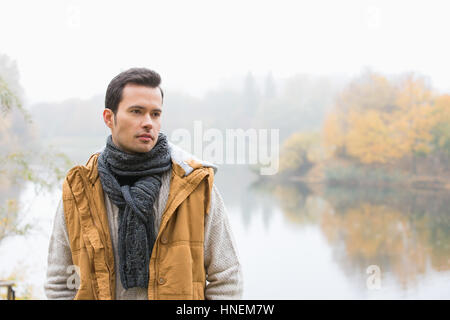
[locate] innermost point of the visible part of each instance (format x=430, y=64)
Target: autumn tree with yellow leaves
x=441, y=130
x=23, y=158
x=299, y=152
x=378, y=121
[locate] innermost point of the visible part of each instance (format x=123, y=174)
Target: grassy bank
x=352, y=175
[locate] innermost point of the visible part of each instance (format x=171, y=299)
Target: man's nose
x=147, y=122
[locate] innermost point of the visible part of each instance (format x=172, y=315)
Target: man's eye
x=136, y=111
x=156, y=114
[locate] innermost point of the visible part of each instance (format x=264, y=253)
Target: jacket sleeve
x=60, y=267
x=223, y=269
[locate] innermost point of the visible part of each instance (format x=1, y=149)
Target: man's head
x=133, y=107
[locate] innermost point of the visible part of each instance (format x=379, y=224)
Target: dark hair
x=142, y=76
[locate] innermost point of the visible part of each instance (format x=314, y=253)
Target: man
x=142, y=219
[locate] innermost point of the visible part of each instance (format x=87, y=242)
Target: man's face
x=136, y=125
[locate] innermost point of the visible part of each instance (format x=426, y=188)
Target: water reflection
x=405, y=232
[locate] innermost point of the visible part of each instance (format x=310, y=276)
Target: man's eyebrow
x=141, y=107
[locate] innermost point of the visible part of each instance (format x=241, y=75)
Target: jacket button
x=164, y=240
x=161, y=280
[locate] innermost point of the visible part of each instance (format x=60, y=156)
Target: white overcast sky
x=73, y=48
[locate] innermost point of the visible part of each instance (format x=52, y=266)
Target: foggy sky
x=68, y=49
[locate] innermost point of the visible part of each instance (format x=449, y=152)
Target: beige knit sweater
x=222, y=266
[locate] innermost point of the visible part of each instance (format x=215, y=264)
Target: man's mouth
x=145, y=137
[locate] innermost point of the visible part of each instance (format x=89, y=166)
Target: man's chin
x=144, y=148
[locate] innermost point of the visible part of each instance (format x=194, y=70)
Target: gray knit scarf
x=132, y=182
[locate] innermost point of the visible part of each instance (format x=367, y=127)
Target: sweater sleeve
x=223, y=269
x=60, y=266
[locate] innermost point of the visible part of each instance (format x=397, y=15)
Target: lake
x=295, y=241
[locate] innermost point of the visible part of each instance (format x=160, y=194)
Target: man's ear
x=108, y=117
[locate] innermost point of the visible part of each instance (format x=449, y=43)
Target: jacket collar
x=187, y=161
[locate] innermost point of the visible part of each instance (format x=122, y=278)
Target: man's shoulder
x=90, y=165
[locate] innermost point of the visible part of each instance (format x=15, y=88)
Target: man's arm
x=59, y=260
x=223, y=269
